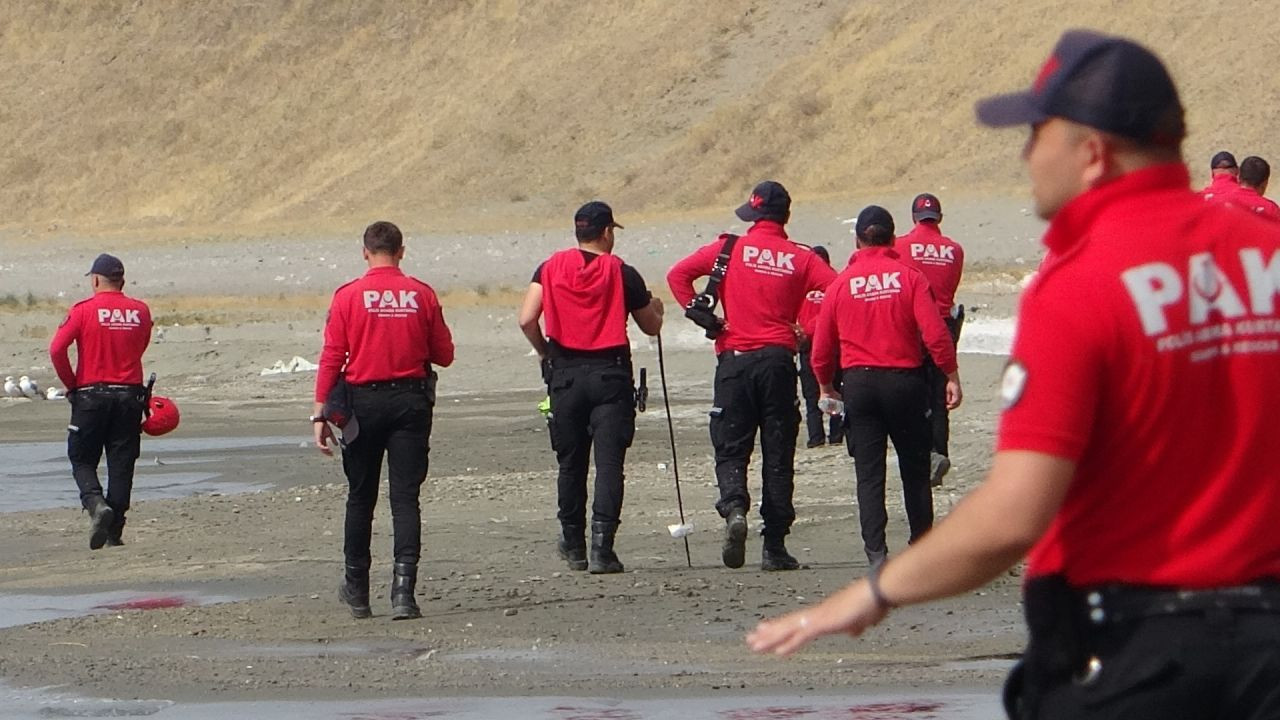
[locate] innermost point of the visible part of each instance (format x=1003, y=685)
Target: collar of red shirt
x=926, y=228
x=385, y=270
x=769, y=227
x=1249, y=191
x=875, y=251
x=1072, y=222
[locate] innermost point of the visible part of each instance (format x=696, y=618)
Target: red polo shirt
x=940, y=258
x=111, y=331
x=763, y=288
x=1220, y=188
x=1249, y=199
x=383, y=326
x=875, y=313
x=1148, y=352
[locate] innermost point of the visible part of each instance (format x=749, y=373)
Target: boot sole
x=101, y=528
x=359, y=612
x=404, y=613
x=573, y=564
x=939, y=472
x=607, y=569
x=734, y=552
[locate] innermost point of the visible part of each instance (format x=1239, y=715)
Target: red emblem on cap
x=756, y=201
x=1050, y=67
x=924, y=203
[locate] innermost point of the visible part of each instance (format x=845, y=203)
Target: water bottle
x=831, y=406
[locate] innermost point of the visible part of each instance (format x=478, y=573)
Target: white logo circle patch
x=1012, y=383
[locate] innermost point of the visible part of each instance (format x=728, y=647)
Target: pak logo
x=767, y=261
x=391, y=303
x=931, y=254
x=1213, y=319
x=117, y=319
x=875, y=287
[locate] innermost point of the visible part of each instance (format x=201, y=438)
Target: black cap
x=108, y=265
x=595, y=215
x=1223, y=161
x=873, y=215
x=768, y=201
x=1108, y=83
x=926, y=207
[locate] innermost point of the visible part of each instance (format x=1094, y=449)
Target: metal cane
x=675, y=459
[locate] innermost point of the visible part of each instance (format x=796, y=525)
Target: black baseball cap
x=1223, y=161
x=873, y=215
x=595, y=215
x=768, y=201
x=108, y=265
x=1108, y=83
x=926, y=207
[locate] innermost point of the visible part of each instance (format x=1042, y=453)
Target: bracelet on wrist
x=873, y=583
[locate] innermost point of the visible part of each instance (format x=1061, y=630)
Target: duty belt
x=401, y=384
x=109, y=387
x=1120, y=603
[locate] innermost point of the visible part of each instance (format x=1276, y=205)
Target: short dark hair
x=115, y=281
x=876, y=235
x=1254, y=171
x=383, y=238
x=587, y=233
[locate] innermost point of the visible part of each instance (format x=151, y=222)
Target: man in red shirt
x=1255, y=173
x=814, y=418
x=1134, y=454
x=941, y=259
x=1224, y=180
x=384, y=334
x=873, y=319
x=764, y=285
x=111, y=332
x=585, y=295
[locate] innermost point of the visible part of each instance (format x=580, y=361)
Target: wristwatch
x=316, y=418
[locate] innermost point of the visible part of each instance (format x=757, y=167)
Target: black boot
x=354, y=591
x=734, y=550
x=572, y=546
x=403, y=606
x=775, y=555
x=115, y=535
x=603, y=559
x=100, y=518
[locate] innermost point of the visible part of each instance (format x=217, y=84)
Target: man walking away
x=941, y=259
x=764, y=284
x=1255, y=173
x=111, y=331
x=1224, y=180
x=814, y=418
x=384, y=335
x=585, y=295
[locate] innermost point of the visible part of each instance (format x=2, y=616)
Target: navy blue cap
x=595, y=215
x=108, y=265
x=1107, y=83
x=873, y=215
x=1223, y=161
x=926, y=206
x=768, y=201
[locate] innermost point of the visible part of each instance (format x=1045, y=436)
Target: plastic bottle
x=831, y=406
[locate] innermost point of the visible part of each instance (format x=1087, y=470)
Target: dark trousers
x=395, y=420
x=592, y=404
x=107, y=419
x=756, y=391
x=813, y=417
x=939, y=416
x=1218, y=662
x=882, y=404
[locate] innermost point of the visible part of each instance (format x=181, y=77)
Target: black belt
x=766, y=350
x=109, y=387
x=897, y=370
x=1118, y=603
x=401, y=384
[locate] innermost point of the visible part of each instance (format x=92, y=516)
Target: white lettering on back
x=768, y=262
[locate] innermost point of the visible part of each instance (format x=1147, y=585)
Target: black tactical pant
x=395, y=420
x=1218, y=661
x=592, y=404
x=106, y=417
x=813, y=417
x=882, y=404
x=753, y=391
x=939, y=416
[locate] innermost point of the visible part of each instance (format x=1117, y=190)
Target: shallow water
x=23, y=608
x=37, y=475
x=954, y=705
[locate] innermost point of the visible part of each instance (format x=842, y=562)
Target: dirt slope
x=316, y=114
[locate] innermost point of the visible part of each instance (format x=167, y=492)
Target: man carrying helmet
x=111, y=332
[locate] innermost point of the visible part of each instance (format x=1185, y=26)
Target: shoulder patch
x=1012, y=383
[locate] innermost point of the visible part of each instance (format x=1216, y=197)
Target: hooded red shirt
x=583, y=303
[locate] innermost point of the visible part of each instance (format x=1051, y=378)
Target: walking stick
x=675, y=458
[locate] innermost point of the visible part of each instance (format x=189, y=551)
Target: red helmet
x=162, y=416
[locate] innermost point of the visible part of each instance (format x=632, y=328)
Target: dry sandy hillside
x=316, y=114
